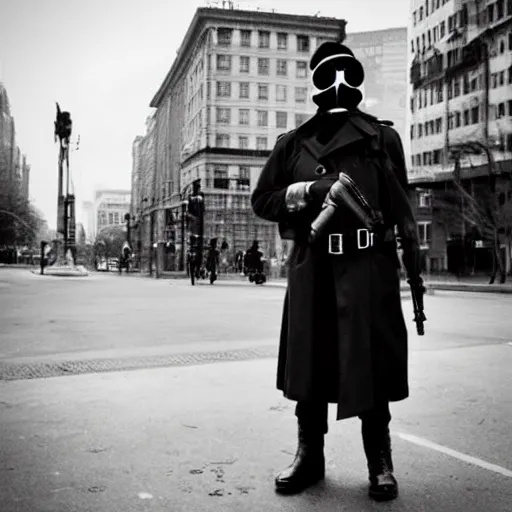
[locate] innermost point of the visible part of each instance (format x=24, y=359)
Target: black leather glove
x=320, y=188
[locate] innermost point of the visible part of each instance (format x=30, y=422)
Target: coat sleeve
x=395, y=151
x=404, y=213
x=268, y=199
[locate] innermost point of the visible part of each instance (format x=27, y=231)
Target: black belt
x=350, y=243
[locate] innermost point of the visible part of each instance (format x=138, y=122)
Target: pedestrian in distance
x=343, y=336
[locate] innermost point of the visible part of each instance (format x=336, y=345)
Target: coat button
x=320, y=170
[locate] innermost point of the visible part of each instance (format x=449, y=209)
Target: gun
x=344, y=191
x=417, y=293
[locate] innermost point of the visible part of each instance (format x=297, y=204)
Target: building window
x=243, y=142
x=302, y=69
x=474, y=114
x=501, y=110
x=262, y=117
x=264, y=39
x=510, y=75
x=224, y=36
x=245, y=38
x=281, y=120
x=300, y=119
x=223, y=115
x=244, y=90
x=261, y=143
x=262, y=91
x=466, y=117
x=442, y=29
x=303, y=43
x=501, y=78
x=222, y=140
x=244, y=172
x=425, y=232
x=301, y=94
x=509, y=107
x=424, y=199
x=224, y=89
x=111, y=218
x=281, y=92
x=244, y=64
x=243, y=116
x=263, y=65
x=282, y=68
x=282, y=41
x=223, y=62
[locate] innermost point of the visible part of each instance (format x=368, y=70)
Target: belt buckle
x=335, y=243
x=368, y=238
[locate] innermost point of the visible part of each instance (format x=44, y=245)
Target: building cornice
x=254, y=153
x=205, y=16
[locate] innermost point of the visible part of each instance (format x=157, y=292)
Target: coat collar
x=355, y=128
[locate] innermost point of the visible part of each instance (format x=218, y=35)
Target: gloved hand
x=319, y=189
x=299, y=194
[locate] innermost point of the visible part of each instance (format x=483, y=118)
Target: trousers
x=313, y=416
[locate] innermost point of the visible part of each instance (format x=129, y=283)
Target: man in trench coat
x=343, y=336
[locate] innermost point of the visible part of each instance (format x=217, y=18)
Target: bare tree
x=20, y=222
x=479, y=207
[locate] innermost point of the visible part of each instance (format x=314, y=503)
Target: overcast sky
x=103, y=60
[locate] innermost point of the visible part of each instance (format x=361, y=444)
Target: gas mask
x=338, y=81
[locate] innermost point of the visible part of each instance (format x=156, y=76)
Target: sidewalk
x=201, y=438
x=447, y=283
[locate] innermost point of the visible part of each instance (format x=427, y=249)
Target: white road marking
x=145, y=496
x=509, y=343
x=457, y=455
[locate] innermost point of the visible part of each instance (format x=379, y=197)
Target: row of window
x=427, y=128
x=434, y=157
x=431, y=36
x=223, y=140
x=225, y=63
x=460, y=118
x=225, y=90
x=466, y=84
x=425, y=10
x=112, y=218
x=281, y=118
x=225, y=38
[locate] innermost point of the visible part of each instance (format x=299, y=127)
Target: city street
x=110, y=401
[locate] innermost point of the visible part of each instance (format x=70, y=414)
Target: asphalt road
x=184, y=437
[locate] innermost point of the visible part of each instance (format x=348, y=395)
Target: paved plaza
x=134, y=394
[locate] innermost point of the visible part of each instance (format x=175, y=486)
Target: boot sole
x=295, y=488
x=383, y=496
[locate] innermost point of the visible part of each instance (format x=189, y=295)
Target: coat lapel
x=354, y=129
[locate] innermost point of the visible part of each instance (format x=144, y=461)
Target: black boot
x=377, y=447
x=308, y=467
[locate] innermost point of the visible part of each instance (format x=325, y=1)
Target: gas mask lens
x=325, y=75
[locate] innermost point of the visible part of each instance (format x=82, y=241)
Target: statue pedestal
x=63, y=264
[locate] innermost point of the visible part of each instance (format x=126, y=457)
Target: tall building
x=383, y=54
x=13, y=163
x=110, y=207
x=239, y=80
x=460, y=95
x=89, y=221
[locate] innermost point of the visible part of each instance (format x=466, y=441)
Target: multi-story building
x=88, y=221
x=239, y=80
x=13, y=164
x=383, y=54
x=110, y=207
x=144, y=207
x=460, y=96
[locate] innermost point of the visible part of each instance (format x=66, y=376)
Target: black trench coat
x=343, y=335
